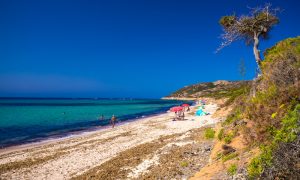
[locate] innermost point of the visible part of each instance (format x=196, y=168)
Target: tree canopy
x=250, y=28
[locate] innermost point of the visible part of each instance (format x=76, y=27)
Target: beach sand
x=139, y=149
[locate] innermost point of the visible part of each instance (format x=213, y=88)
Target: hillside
x=260, y=137
x=217, y=90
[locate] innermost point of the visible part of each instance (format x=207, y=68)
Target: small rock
x=239, y=122
x=207, y=149
x=227, y=149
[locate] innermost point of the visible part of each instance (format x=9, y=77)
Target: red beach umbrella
x=176, y=109
x=185, y=105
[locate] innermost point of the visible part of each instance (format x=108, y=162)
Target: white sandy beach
x=73, y=156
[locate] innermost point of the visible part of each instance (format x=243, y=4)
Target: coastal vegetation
x=229, y=156
x=262, y=129
x=221, y=134
x=232, y=169
x=270, y=118
x=209, y=133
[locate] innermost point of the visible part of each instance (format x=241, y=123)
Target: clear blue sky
x=120, y=48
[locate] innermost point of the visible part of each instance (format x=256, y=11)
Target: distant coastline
x=179, y=98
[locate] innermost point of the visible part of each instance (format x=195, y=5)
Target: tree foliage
x=249, y=28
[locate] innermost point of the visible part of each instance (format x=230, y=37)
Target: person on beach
x=176, y=116
x=113, y=120
x=182, y=115
x=188, y=109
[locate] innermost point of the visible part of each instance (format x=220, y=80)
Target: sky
x=123, y=48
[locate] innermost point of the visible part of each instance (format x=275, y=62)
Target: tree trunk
x=255, y=49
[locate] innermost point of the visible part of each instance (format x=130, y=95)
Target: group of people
x=112, y=122
x=179, y=115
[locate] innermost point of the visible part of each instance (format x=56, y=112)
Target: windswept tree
x=250, y=28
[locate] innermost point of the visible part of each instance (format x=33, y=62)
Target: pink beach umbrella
x=185, y=105
x=176, y=109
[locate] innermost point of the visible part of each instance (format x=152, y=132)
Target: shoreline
x=75, y=134
x=81, y=154
x=71, y=133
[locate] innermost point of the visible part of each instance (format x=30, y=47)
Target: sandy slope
x=74, y=156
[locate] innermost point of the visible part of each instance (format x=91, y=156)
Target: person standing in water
x=101, y=118
x=113, y=120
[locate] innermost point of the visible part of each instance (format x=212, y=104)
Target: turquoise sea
x=24, y=120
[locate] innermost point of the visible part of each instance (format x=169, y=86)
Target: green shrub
x=221, y=134
x=219, y=155
x=274, y=115
x=234, y=94
x=287, y=133
x=209, y=133
x=228, y=138
x=229, y=156
x=290, y=128
x=255, y=168
x=265, y=96
x=184, y=164
x=232, y=169
x=266, y=111
x=237, y=115
x=281, y=47
x=257, y=164
x=285, y=162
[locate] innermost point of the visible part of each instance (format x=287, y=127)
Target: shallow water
x=30, y=120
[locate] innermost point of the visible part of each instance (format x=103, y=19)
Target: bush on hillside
x=272, y=114
x=285, y=164
x=221, y=134
x=281, y=157
x=276, y=89
x=286, y=156
x=232, y=169
x=209, y=133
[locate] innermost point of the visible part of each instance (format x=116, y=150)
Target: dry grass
x=114, y=168
x=29, y=162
